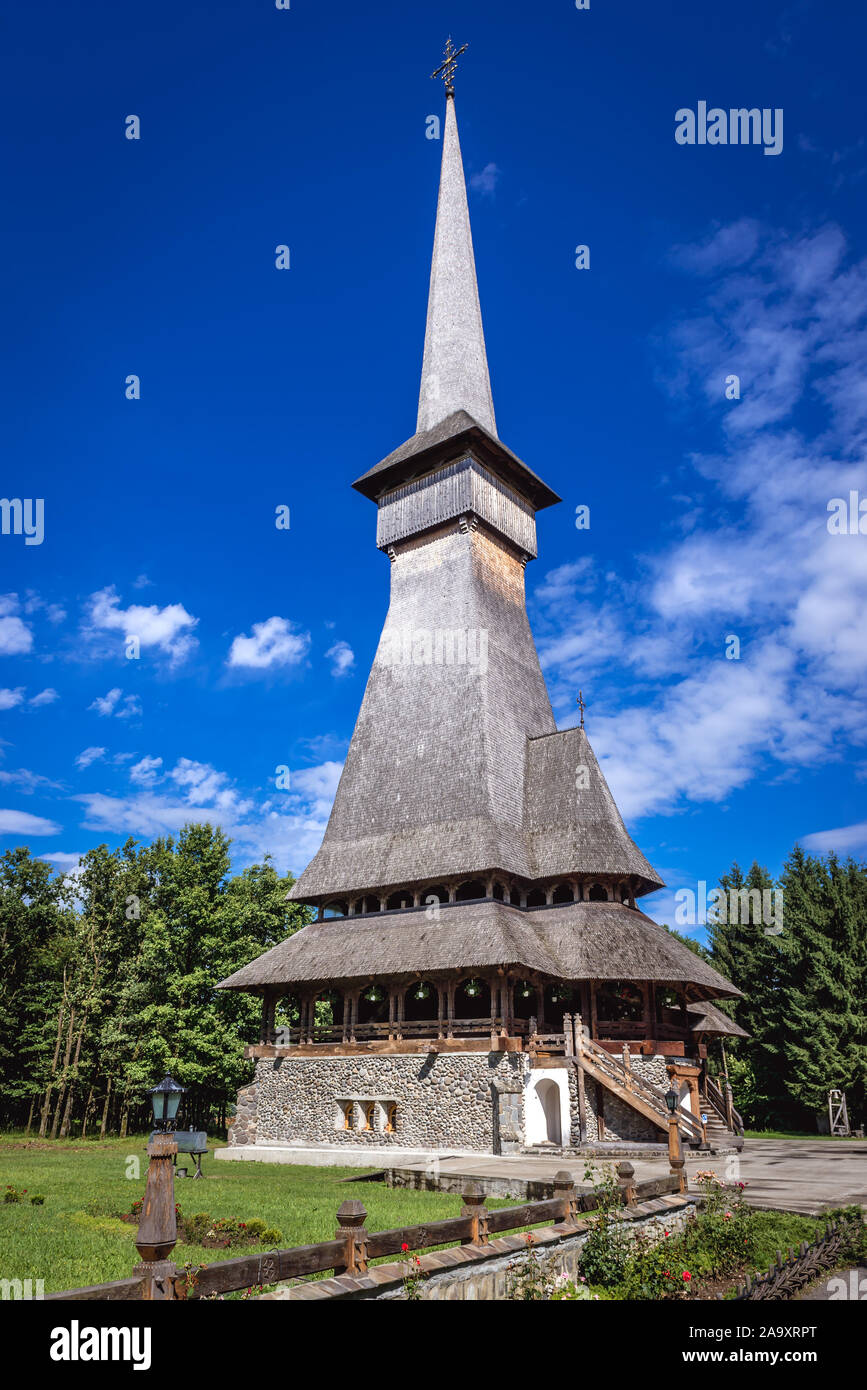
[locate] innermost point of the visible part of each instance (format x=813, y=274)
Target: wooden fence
x=788, y=1276
x=354, y=1246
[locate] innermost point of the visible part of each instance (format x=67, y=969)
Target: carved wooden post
x=158, y=1228
x=351, y=1228
x=450, y=1032
x=626, y=1179
x=495, y=996
x=564, y=1191
x=730, y=1120
x=627, y=1066
x=347, y=1009
x=531, y=1037
x=578, y=1059
x=440, y=1009
x=392, y=1000
x=568, y=1035
x=474, y=1207
x=540, y=1004
x=675, y=1152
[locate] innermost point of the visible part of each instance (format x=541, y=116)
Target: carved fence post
x=474, y=1207
x=350, y=1226
x=158, y=1227
x=626, y=1179
x=564, y=1190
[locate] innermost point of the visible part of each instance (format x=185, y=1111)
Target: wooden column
x=392, y=1002
x=594, y=1021
x=450, y=1032
x=600, y=1112
x=578, y=1058
x=495, y=998
x=353, y=1014
x=506, y=989
x=540, y=1007
x=441, y=1006
x=347, y=1009
x=401, y=1011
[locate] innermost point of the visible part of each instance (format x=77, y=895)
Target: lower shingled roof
x=571, y=941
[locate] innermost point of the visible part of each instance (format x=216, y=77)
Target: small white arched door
x=549, y=1097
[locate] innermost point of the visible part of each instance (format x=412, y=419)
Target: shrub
x=12, y=1194
x=37, y=1200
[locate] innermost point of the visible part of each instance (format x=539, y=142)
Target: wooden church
x=479, y=974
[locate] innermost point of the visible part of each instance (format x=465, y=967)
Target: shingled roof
x=577, y=941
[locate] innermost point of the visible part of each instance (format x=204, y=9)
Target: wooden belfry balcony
x=665, y=1031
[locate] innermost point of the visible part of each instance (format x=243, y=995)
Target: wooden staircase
x=618, y=1078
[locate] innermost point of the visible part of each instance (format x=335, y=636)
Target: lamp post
x=675, y=1150
x=165, y=1099
x=158, y=1228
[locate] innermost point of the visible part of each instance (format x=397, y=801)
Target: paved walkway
x=789, y=1175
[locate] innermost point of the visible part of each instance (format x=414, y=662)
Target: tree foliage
x=108, y=979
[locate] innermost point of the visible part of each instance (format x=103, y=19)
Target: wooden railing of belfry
x=354, y=1246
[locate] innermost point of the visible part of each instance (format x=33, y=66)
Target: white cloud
x=757, y=562
x=45, y=697
x=486, y=180
x=22, y=823
x=15, y=637
x=108, y=704
x=288, y=824
x=34, y=603
x=145, y=772
x=88, y=756
x=843, y=841
x=28, y=782
x=167, y=629
x=274, y=643
x=342, y=658
x=104, y=704
x=10, y=698
x=65, y=862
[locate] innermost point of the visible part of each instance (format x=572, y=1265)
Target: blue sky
x=262, y=387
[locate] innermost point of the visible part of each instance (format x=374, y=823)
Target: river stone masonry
x=444, y=1100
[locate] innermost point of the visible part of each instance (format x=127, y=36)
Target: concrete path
x=788, y=1175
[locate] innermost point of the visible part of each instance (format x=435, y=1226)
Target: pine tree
x=825, y=982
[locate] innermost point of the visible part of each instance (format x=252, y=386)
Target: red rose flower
x=404, y=1247
x=686, y=1274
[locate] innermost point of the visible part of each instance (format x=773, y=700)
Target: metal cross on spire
x=581, y=705
x=446, y=69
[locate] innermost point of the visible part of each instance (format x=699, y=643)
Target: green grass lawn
x=784, y=1134
x=77, y=1237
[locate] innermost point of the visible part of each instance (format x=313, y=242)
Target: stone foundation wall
x=620, y=1120
x=241, y=1128
x=444, y=1100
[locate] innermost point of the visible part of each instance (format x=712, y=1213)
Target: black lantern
x=671, y=1099
x=165, y=1100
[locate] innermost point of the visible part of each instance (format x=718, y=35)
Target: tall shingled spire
x=455, y=369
